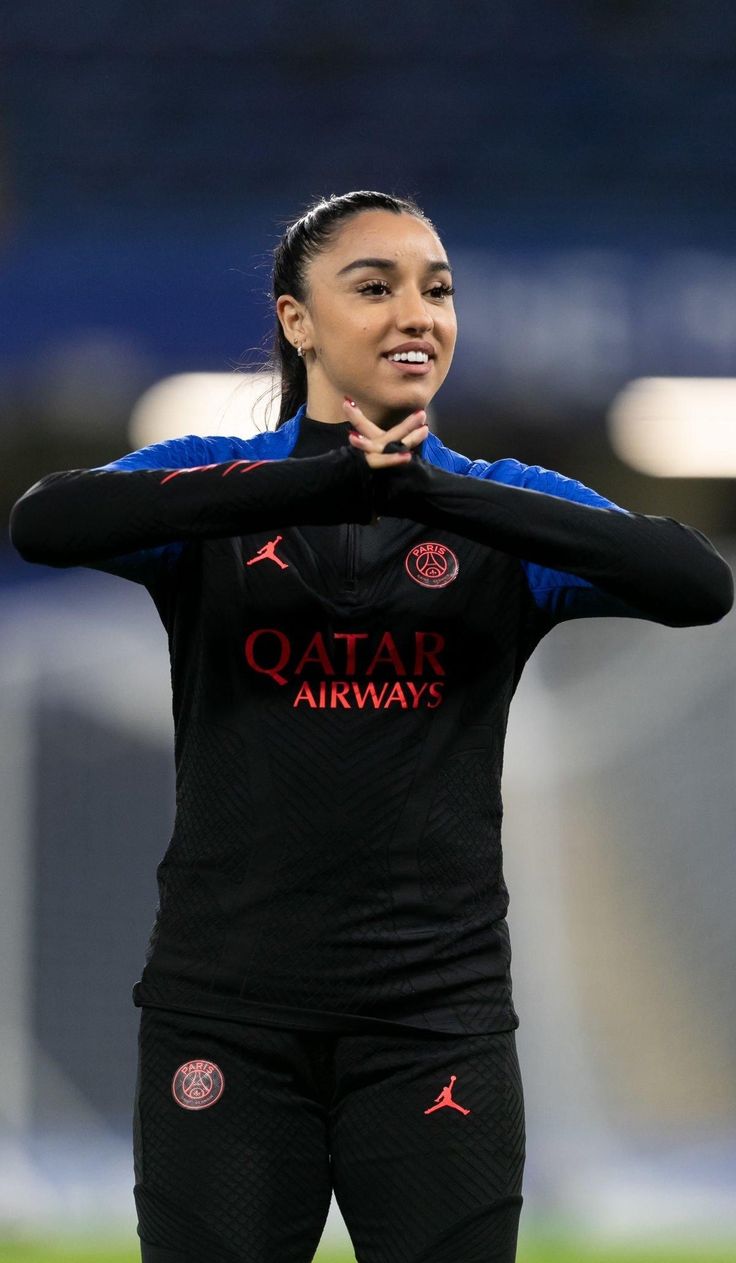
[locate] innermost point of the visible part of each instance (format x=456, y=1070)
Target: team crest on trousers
x=433, y=565
x=197, y=1085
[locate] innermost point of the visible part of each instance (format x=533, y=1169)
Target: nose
x=415, y=313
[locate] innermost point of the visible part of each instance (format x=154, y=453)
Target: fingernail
x=349, y=400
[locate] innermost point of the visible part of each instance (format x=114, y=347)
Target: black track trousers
x=243, y=1131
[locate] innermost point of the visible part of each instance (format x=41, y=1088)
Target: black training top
x=341, y=688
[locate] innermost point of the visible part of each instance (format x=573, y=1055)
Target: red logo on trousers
x=197, y=1085
x=445, y=1098
x=267, y=554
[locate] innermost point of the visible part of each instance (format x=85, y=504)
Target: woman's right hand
x=372, y=440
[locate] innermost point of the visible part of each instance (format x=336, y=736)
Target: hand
x=372, y=440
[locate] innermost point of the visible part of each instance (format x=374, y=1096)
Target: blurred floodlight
x=676, y=427
x=204, y=403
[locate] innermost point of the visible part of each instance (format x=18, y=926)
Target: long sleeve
x=81, y=516
x=656, y=567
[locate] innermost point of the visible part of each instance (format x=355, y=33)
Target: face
x=356, y=314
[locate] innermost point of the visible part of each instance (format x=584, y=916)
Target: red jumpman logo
x=267, y=554
x=445, y=1098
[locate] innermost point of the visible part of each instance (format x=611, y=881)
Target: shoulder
x=513, y=473
x=193, y=450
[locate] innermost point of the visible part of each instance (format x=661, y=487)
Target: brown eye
x=372, y=286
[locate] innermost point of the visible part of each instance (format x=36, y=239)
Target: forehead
x=382, y=233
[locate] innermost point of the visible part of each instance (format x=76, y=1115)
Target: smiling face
x=354, y=315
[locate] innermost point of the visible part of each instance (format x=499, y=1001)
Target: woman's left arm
x=656, y=567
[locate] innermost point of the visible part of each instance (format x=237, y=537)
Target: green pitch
x=560, y=1251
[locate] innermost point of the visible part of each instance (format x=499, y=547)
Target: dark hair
x=302, y=241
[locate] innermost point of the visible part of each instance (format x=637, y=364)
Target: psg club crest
x=432, y=565
x=197, y=1085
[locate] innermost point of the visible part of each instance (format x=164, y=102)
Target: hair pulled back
x=301, y=242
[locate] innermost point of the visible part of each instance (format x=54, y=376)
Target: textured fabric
x=421, y=1137
x=341, y=689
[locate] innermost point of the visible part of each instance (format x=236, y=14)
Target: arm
x=83, y=516
x=640, y=566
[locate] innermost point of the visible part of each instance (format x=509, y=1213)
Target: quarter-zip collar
x=317, y=437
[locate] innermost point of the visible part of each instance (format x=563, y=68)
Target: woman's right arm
x=81, y=516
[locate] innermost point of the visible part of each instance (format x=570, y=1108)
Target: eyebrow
x=433, y=265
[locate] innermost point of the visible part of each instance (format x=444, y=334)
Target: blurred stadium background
x=579, y=160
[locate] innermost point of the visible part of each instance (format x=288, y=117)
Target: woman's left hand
x=371, y=439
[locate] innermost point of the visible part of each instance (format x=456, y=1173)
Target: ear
x=291, y=314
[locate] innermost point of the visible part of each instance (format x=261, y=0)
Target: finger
x=380, y=460
x=417, y=436
x=367, y=445
x=412, y=438
x=364, y=443
x=412, y=422
x=360, y=421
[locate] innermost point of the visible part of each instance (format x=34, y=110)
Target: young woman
x=326, y=1002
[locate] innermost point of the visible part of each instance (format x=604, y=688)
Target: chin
x=411, y=397
x=414, y=402
x=398, y=406
x=410, y=403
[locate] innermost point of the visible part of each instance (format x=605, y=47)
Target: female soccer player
x=326, y=1002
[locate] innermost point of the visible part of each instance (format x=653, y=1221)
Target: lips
x=414, y=370
x=416, y=345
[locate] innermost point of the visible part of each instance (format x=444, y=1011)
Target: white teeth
x=410, y=357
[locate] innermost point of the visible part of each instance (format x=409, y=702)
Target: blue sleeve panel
x=557, y=593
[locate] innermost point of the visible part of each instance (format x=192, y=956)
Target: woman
x=326, y=1001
